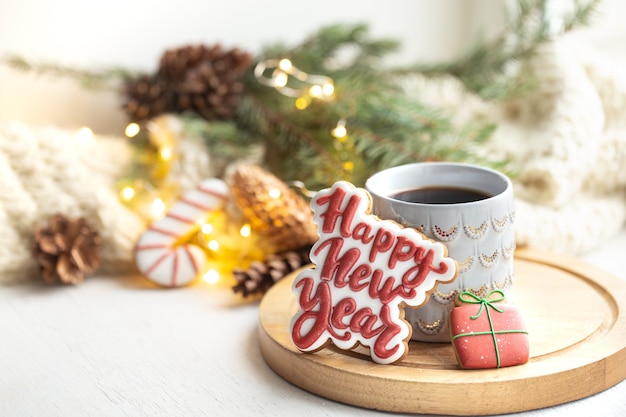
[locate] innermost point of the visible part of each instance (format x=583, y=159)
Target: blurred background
x=134, y=34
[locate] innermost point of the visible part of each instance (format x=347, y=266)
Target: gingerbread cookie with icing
x=367, y=270
x=161, y=253
x=487, y=332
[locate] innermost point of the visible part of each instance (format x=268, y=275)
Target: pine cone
x=147, y=97
x=206, y=80
x=262, y=275
x=274, y=210
x=67, y=250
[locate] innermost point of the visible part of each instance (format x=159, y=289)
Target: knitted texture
x=44, y=171
x=567, y=140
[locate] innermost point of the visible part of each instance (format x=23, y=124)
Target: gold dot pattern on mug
x=505, y=283
x=481, y=292
x=507, y=251
x=476, y=232
x=431, y=328
x=488, y=261
x=466, y=264
x=445, y=235
x=444, y=298
x=500, y=224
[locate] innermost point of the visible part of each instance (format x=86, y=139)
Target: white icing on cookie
x=158, y=254
x=365, y=268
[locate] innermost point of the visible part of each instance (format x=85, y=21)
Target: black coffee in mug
x=440, y=195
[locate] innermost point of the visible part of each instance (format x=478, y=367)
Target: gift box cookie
x=488, y=333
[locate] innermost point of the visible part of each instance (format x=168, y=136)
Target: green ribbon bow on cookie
x=486, y=304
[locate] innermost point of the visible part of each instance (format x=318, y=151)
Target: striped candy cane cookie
x=159, y=254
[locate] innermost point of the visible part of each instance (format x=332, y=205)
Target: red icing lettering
x=385, y=346
x=364, y=321
x=344, y=308
x=383, y=241
x=362, y=232
x=403, y=250
x=414, y=277
x=337, y=267
x=359, y=278
x=320, y=317
x=334, y=212
x=387, y=292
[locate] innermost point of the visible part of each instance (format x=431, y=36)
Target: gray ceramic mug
x=468, y=208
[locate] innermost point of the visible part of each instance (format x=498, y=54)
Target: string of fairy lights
x=291, y=81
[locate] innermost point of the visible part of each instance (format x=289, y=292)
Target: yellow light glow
x=316, y=91
x=165, y=153
x=213, y=245
x=157, y=208
x=211, y=276
x=274, y=193
x=85, y=135
x=302, y=103
x=340, y=131
x=328, y=89
x=127, y=193
x=280, y=79
x=245, y=230
x=285, y=65
x=207, y=228
x=132, y=129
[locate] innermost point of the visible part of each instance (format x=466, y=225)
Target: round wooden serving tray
x=575, y=315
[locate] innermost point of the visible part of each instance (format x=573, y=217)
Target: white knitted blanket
x=48, y=170
x=568, y=140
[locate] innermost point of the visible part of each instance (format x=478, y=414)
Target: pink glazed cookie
x=366, y=271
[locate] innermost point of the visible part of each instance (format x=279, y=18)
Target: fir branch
x=225, y=139
x=583, y=14
x=104, y=79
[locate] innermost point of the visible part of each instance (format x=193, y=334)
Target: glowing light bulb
x=127, y=193
x=165, y=153
x=245, y=230
x=280, y=79
x=85, y=135
x=157, y=208
x=274, y=193
x=214, y=245
x=302, y=103
x=316, y=91
x=207, y=228
x=285, y=65
x=132, y=129
x=340, y=130
x=328, y=89
x=211, y=276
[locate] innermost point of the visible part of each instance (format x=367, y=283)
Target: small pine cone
x=66, y=250
x=206, y=80
x=147, y=97
x=260, y=277
x=274, y=210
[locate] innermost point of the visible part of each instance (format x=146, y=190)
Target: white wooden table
x=118, y=347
